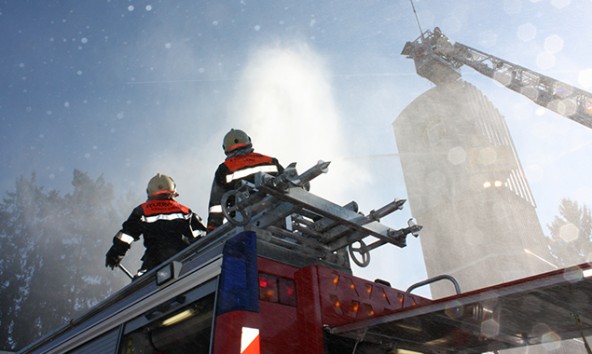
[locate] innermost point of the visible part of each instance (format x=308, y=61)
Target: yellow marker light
x=369, y=310
x=181, y=316
x=355, y=306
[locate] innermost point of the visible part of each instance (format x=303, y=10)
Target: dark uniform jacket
x=167, y=227
x=242, y=164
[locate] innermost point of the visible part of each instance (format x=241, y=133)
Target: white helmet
x=235, y=139
x=161, y=184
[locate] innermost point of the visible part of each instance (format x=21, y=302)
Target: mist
x=131, y=91
x=284, y=100
x=287, y=105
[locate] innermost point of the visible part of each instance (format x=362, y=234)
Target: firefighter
x=167, y=226
x=241, y=163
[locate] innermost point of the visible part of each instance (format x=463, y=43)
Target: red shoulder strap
x=252, y=159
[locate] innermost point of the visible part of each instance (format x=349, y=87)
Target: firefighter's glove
x=115, y=253
x=112, y=258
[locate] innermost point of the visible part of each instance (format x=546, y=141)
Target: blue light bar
x=238, y=289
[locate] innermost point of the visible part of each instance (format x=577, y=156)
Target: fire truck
x=277, y=278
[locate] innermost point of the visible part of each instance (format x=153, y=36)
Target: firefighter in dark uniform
x=241, y=163
x=167, y=226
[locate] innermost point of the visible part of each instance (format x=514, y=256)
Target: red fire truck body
x=295, y=321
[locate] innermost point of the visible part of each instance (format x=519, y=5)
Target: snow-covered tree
x=53, y=247
x=571, y=234
x=18, y=244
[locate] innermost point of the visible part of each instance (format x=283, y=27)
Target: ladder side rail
x=339, y=236
x=306, y=244
x=396, y=237
x=543, y=90
x=336, y=233
x=306, y=221
x=300, y=244
x=272, y=218
x=308, y=218
x=301, y=227
x=324, y=224
x=330, y=210
x=273, y=215
x=339, y=230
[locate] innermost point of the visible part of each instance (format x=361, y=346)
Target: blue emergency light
x=238, y=288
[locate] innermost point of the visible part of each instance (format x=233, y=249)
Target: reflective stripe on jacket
x=166, y=225
x=233, y=170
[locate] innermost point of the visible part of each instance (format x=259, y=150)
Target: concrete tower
x=466, y=187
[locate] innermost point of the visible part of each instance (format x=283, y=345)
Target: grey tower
x=466, y=187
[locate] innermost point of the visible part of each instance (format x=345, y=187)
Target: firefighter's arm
x=197, y=223
x=117, y=250
x=196, y=229
x=130, y=232
x=215, y=216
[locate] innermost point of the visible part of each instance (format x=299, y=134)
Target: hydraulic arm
x=439, y=60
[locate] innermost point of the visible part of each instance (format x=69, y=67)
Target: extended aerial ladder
x=439, y=60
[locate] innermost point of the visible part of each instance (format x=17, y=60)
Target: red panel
x=328, y=297
x=346, y=299
x=279, y=333
x=271, y=267
x=228, y=330
x=541, y=309
x=310, y=323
